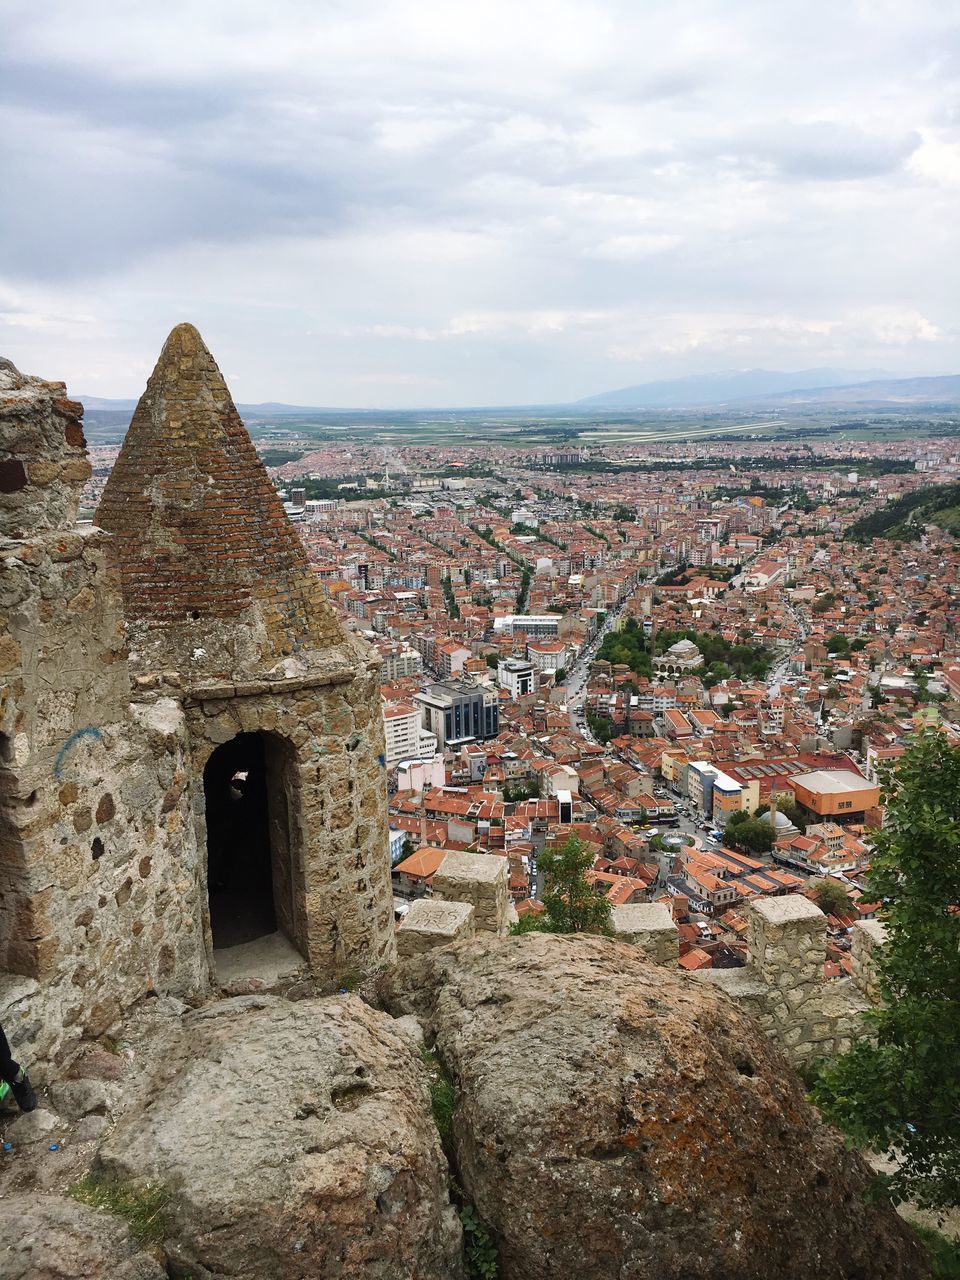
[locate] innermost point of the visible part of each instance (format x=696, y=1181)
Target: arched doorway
x=251, y=805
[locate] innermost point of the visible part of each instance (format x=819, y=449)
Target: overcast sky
x=494, y=202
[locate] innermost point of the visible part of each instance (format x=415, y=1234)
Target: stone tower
x=191, y=749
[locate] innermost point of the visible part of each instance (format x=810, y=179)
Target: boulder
x=295, y=1140
x=615, y=1121
x=52, y=1238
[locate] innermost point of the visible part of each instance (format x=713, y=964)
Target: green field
x=540, y=428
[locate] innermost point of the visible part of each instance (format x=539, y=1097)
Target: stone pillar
x=868, y=937
x=433, y=923
x=650, y=927
x=786, y=947
x=480, y=879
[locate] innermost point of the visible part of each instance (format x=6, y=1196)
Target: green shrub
x=944, y=1253
x=442, y=1095
x=479, y=1250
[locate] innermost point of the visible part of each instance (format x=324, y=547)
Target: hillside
x=725, y=387
x=884, y=391
x=903, y=519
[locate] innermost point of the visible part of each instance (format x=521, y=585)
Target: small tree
x=750, y=833
x=832, y=898
x=901, y=1091
x=572, y=904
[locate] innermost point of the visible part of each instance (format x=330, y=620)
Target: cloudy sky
x=495, y=202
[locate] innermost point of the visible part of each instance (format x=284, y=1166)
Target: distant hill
x=902, y=520
x=270, y=409
x=886, y=391
x=722, y=388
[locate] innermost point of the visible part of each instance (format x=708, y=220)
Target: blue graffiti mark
x=383, y=760
x=88, y=732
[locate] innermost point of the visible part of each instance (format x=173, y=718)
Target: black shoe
x=22, y=1090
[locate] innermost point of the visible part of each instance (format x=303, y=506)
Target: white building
x=400, y=661
x=517, y=676
x=421, y=775
x=679, y=658
x=541, y=625
x=406, y=738
x=548, y=655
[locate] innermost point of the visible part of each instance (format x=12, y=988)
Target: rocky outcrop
x=614, y=1120
x=295, y=1140
x=50, y=1238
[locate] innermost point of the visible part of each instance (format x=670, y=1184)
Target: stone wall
x=339, y=906
x=782, y=984
x=95, y=848
x=103, y=857
x=480, y=879
x=868, y=937
x=650, y=927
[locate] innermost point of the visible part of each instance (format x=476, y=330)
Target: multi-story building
x=548, y=655
x=457, y=711
x=839, y=794
x=400, y=662
x=517, y=676
x=535, y=625
x=406, y=738
x=715, y=793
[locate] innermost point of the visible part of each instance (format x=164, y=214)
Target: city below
x=698, y=666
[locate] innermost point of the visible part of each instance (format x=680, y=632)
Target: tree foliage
x=746, y=832
x=832, y=898
x=901, y=1091
x=722, y=659
x=572, y=904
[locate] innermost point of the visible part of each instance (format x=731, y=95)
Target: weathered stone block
x=868, y=937
x=650, y=927
x=430, y=923
x=480, y=879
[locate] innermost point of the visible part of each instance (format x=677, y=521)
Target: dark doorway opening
x=248, y=789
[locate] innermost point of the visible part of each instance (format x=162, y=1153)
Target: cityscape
x=571, y=647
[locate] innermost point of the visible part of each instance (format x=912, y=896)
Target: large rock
x=50, y=1238
x=618, y=1122
x=295, y=1140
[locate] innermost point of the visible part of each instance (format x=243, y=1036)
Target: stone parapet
x=479, y=879
x=783, y=984
x=786, y=941
x=650, y=927
x=786, y=947
x=868, y=937
x=431, y=923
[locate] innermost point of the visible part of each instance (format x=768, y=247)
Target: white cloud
x=507, y=202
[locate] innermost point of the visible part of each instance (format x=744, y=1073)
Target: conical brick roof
x=211, y=567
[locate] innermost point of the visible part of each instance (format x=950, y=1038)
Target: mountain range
x=762, y=387
x=270, y=409
x=804, y=387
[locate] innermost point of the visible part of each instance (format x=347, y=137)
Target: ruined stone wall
x=95, y=849
x=650, y=927
x=481, y=880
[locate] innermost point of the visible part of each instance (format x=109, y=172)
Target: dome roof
x=780, y=820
